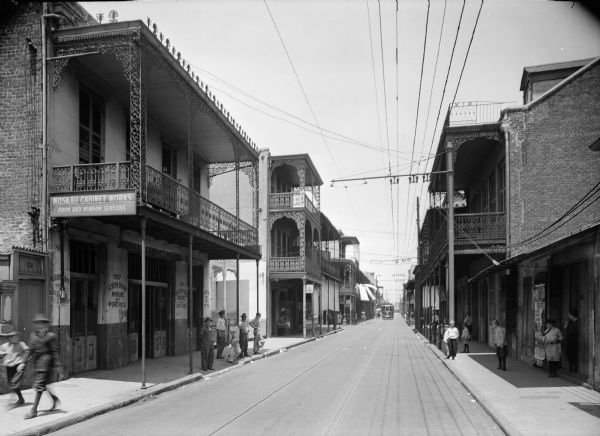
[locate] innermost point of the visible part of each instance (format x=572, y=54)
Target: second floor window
x=91, y=113
x=169, y=161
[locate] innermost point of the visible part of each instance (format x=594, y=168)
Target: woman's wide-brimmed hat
x=7, y=329
x=40, y=318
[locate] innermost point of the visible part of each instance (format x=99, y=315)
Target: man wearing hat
x=14, y=354
x=221, y=334
x=207, y=345
x=572, y=339
x=44, y=354
x=244, y=330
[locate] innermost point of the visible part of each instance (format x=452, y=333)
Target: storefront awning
x=365, y=293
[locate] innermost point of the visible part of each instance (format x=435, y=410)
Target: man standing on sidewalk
x=244, y=330
x=221, y=334
x=44, y=354
x=500, y=343
x=451, y=339
x=207, y=345
x=258, y=340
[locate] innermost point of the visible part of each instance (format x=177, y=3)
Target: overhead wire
x=308, y=102
x=331, y=133
x=445, y=83
x=547, y=230
x=408, y=202
x=437, y=56
x=387, y=130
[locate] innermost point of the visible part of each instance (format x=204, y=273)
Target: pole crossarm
x=388, y=176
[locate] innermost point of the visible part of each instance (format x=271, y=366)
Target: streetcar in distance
x=387, y=311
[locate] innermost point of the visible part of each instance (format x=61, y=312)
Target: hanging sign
x=309, y=288
x=95, y=203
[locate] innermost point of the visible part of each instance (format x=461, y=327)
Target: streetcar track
x=280, y=388
x=336, y=416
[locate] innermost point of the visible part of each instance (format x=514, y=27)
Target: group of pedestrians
x=552, y=338
x=212, y=334
x=42, y=351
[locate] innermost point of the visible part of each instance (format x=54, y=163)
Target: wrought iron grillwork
x=161, y=191
x=286, y=264
x=298, y=264
x=92, y=177
x=481, y=228
x=293, y=200
x=327, y=266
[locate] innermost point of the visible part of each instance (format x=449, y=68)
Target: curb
x=505, y=425
x=158, y=389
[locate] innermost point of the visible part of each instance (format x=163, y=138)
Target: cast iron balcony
x=296, y=263
x=487, y=230
x=293, y=200
x=160, y=191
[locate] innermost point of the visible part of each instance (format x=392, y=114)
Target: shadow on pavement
x=519, y=374
x=591, y=408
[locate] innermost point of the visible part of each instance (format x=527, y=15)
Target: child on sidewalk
x=14, y=354
x=466, y=337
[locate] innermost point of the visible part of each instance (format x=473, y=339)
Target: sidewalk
x=522, y=399
x=93, y=393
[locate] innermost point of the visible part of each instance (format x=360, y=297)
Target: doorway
x=84, y=323
x=158, y=306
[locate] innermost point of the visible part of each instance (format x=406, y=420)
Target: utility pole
x=450, y=196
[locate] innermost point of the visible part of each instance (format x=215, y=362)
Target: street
x=375, y=378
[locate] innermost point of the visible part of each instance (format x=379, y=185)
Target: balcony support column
x=450, y=193
x=304, y=308
x=237, y=288
x=143, y=326
x=191, y=302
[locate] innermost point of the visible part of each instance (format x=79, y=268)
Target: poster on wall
x=539, y=303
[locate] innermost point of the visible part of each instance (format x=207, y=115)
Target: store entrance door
x=84, y=323
x=158, y=306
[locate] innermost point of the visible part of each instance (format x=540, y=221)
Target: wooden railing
x=475, y=112
x=162, y=192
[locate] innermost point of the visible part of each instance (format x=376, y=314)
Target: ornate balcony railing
x=162, y=192
x=480, y=228
x=296, y=264
x=475, y=112
x=92, y=177
x=292, y=200
x=327, y=266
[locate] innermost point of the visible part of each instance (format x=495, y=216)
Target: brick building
x=546, y=260
x=106, y=159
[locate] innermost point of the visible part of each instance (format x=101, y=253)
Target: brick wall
x=551, y=165
x=20, y=96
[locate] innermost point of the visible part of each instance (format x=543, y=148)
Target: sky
x=322, y=77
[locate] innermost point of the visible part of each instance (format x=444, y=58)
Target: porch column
x=450, y=194
x=225, y=286
x=237, y=288
x=257, y=288
x=191, y=304
x=304, y=308
x=143, y=303
x=321, y=310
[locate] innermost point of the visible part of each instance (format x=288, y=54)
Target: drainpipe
x=44, y=145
